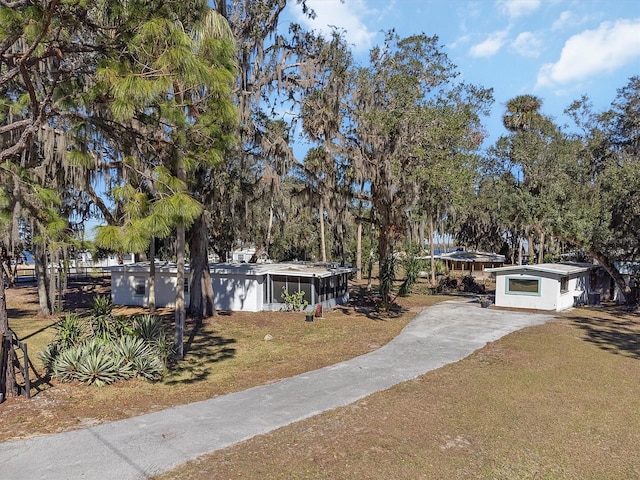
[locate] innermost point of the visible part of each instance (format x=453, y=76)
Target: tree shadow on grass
x=202, y=350
x=368, y=303
x=619, y=335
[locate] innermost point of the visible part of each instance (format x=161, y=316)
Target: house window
x=523, y=286
x=186, y=285
x=139, y=286
x=564, y=284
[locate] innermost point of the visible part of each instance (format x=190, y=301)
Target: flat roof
x=471, y=256
x=249, y=269
x=564, y=268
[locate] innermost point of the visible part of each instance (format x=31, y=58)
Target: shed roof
x=248, y=269
x=565, y=268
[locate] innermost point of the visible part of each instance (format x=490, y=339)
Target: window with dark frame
x=140, y=286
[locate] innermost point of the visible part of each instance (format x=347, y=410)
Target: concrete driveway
x=142, y=446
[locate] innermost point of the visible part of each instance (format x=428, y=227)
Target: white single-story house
x=85, y=259
x=237, y=287
x=471, y=262
x=546, y=286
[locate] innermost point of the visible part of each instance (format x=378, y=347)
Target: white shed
x=237, y=287
x=130, y=284
x=546, y=286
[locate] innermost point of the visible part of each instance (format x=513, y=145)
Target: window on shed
x=523, y=286
x=139, y=286
x=564, y=284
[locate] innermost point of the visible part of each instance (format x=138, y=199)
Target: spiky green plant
x=49, y=355
x=412, y=267
x=101, y=305
x=70, y=330
x=126, y=349
x=149, y=367
x=164, y=346
x=65, y=366
x=148, y=327
x=98, y=367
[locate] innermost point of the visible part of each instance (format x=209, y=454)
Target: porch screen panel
x=305, y=286
x=279, y=283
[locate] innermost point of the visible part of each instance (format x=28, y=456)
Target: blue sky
x=557, y=50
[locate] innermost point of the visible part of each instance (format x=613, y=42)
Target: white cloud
x=518, y=8
x=490, y=46
x=459, y=41
x=564, y=19
x=610, y=46
x=347, y=16
x=527, y=44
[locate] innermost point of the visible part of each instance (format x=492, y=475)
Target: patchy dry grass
x=225, y=355
x=557, y=401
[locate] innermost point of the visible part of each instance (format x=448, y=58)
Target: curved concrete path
x=139, y=447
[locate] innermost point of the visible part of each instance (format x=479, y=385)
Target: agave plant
x=102, y=305
x=65, y=366
x=49, y=355
x=164, y=347
x=149, y=367
x=127, y=349
x=148, y=327
x=98, y=367
x=71, y=330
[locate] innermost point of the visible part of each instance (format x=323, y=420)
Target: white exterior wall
x=238, y=293
x=123, y=289
x=550, y=297
x=237, y=287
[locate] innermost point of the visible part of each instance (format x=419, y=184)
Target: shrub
x=412, y=267
x=469, y=284
x=97, y=366
x=101, y=305
x=71, y=330
x=149, y=367
x=148, y=327
x=49, y=355
x=105, y=348
x=66, y=364
x=293, y=301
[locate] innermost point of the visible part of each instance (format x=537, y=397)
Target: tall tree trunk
x=541, y=249
x=421, y=235
x=530, y=251
x=371, y=256
x=269, y=227
x=152, y=275
x=8, y=386
x=359, y=251
x=40, y=265
x=53, y=259
x=201, y=299
x=520, y=246
x=323, y=247
x=432, y=251
x=180, y=312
